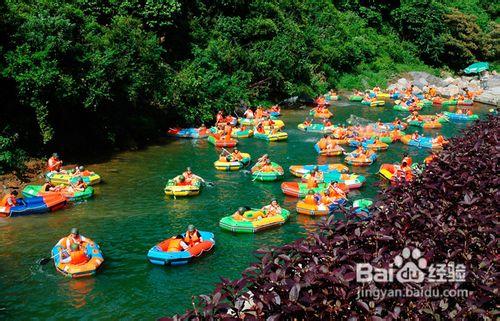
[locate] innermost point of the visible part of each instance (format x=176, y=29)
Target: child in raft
x=272, y=209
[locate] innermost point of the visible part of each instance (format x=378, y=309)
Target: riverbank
x=448, y=214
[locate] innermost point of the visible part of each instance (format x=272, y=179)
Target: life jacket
x=78, y=257
x=267, y=168
x=222, y=159
x=271, y=210
x=408, y=160
x=188, y=177
x=174, y=245
x=53, y=165
x=260, y=130
x=309, y=199
x=236, y=156
x=322, y=143
x=311, y=182
x=192, y=238
x=5, y=201
x=258, y=113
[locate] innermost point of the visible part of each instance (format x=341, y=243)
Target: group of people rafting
x=74, y=249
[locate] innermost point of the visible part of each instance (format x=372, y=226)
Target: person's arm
x=10, y=202
x=184, y=245
x=199, y=236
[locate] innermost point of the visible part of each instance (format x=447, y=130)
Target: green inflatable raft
x=74, y=196
x=254, y=220
x=276, y=174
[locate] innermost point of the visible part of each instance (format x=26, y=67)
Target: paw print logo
x=409, y=271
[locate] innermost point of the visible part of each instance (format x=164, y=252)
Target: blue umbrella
x=477, y=67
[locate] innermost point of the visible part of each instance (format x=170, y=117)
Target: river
x=130, y=214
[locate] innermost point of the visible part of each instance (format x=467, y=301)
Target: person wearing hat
x=54, y=164
x=48, y=186
x=272, y=209
x=74, y=237
x=192, y=236
x=189, y=176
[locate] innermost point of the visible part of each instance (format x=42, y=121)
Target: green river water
x=130, y=214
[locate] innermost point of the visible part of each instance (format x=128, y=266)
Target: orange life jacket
x=311, y=182
x=192, y=238
x=258, y=113
x=5, y=201
x=174, y=245
x=322, y=143
x=53, y=164
x=78, y=257
x=408, y=160
x=309, y=199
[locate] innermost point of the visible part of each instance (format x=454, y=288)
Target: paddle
x=46, y=260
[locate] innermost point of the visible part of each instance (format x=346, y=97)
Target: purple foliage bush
x=449, y=213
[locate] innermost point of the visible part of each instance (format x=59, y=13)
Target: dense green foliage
x=81, y=75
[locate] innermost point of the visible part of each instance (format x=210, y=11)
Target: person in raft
x=236, y=155
x=9, y=200
x=81, y=171
x=74, y=237
x=189, y=177
x=177, y=244
x=54, y=164
x=260, y=163
x=248, y=113
x=80, y=185
x=272, y=209
x=192, y=236
x=238, y=215
x=49, y=186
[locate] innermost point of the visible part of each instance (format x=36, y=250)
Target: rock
x=448, y=80
x=403, y=82
x=420, y=82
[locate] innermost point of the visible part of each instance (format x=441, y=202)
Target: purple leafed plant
x=449, y=213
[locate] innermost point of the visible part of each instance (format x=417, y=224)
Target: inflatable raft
x=79, y=270
x=371, y=144
x=173, y=189
x=301, y=170
x=316, y=128
x=465, y=102
x=233, y=165
x=424, y=103
x=337, y=150
x=319, y=210
x=388, y=171
x=68, y=193
x=460, y=117
x=34, y=205
x=279, y=136
x=158, y=254
x=450, y=102
x=360, y=161
x=193, y=133
x=426, y=124
x=352, y=181
x=68, y=179
x=405, y=107
x=355, y=98
x=254, y=221
x=217, y=141
x=238, y=133
x=425, y=142
x=383, y=96
x=276, y=174
x=298, y=189
x=322, y=114
x=277, y=123
x=376, y=103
